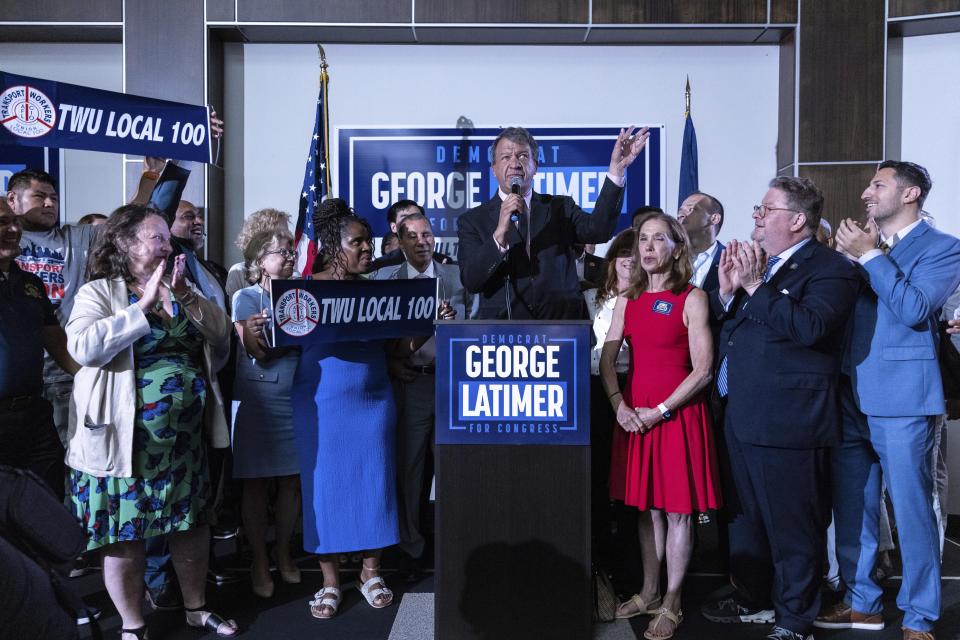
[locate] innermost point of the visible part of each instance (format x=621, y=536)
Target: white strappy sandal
x=373, y=589
x=326, y=597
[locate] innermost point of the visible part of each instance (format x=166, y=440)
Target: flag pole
x=324, y=80
x=686, y=113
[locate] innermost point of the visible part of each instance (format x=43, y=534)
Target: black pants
x=30, y=441
x=777, y=539
x=28, y=604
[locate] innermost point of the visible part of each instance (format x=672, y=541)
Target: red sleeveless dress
x=673, y=466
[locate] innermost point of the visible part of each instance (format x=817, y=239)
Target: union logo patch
x=297, y=313
x=27, y=112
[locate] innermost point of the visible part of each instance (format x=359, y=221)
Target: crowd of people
x=783, y=385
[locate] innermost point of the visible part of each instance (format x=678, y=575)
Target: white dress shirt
x=702, y=264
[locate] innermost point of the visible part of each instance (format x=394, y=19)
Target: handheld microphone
x=515, y=183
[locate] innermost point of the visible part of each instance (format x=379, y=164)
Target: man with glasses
x=415, y=383
x=787, y=299
x=910, y=269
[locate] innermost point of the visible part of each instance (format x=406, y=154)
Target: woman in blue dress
x=345, y=429
x=264, y=447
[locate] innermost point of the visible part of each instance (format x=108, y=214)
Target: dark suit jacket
x=396, y=257
x=545, y=284
x=784, y=345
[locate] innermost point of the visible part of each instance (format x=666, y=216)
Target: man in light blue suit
x=895, y=394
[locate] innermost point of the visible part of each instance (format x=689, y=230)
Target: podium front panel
x=513, y=489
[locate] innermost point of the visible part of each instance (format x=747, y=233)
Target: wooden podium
x=513, y=481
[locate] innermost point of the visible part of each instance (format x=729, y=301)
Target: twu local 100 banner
x=513, y=383
x=447, y=171
x=311, y=311
x=42, y=113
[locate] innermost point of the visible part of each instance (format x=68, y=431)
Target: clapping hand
x=626, y=149
x=856, y=241
x=151, y=290
x=727, y=274
x=178, y=278
x=750, y=261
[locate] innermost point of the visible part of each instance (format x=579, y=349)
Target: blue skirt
x=345, y=426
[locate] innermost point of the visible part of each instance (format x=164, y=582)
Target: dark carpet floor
x=287, y=615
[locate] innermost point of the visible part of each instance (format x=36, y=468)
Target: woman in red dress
x=669, y=470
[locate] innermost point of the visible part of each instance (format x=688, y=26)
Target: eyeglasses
x=762, y=210
x=283, y=253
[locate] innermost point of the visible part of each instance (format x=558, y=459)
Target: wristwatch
x=666, y=413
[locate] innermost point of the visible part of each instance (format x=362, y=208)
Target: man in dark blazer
x=517, y=250
x=701, y=215
x=788, y=299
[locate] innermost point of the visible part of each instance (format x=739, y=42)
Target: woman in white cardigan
x=144, y=341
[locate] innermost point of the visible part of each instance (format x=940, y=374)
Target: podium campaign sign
x=513, y=383
x=338, y=310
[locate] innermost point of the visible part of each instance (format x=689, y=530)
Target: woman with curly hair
x=145, y=342
x=345, y=431
x=257, y=222
x=264, y=447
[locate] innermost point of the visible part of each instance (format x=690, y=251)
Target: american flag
x=315, y=187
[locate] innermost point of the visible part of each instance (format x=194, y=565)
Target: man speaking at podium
x=517, y=250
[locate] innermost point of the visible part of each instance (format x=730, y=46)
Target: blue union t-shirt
x=24, y=313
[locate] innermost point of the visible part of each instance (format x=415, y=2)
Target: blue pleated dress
x=345, y=426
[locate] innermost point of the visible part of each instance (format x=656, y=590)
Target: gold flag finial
x=686, y=113
x=323, y=62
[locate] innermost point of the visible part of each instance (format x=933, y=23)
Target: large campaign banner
x=42, y=113
x=513, y=383
x=447, y=170
x=309, y=311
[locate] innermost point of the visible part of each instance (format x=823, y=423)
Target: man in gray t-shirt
x=58, y=256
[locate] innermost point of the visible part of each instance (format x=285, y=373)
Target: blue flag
x=689, y=171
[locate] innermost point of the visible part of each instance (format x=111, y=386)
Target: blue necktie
x=722, y=388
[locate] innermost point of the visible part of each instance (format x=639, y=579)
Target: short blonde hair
x=262, y=220
x=258, y=246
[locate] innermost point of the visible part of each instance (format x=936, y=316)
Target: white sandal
x=322, y=599
x=371, y=591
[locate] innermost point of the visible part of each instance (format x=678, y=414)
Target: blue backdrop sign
x=513, y=383
x=43, y=113
x=308, y=311
x=447, y=171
